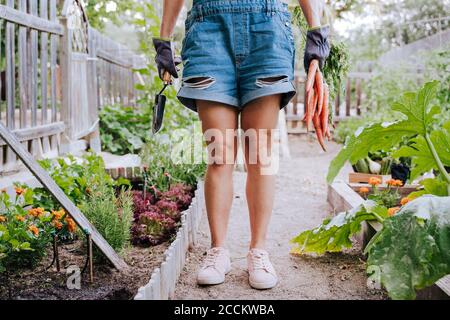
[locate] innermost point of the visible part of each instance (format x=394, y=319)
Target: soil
x=301, y=204
x=109, y=284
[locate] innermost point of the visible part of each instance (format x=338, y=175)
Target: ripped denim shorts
x=237, y=51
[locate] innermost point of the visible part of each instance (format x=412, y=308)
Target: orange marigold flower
x=20, y=218
x=71, y=225
x=2, y=219
x=58, y=215
x=36, y=212
x=375, y=181
x=395, y=183
x=364, y=190
x=34, y=230
x=393, y=211
x=57, y=224
x=405, y=201
x=20, y=191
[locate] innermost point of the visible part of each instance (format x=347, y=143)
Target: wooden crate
x=356, y=177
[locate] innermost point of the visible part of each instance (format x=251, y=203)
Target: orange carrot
x=312, y=75
x=321, y=91
x=319, y=131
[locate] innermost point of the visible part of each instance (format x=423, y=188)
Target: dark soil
x=109, y=284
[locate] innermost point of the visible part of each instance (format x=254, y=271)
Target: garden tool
x=160, y=104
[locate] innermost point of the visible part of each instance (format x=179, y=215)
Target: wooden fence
x=56, y=73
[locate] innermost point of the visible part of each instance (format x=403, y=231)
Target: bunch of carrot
x=317, y=104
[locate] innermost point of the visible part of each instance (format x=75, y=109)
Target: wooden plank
x=14, y=16
x=45, y=179
x=44, y=63
x=37, y=132
x=110, y=57
x=23, y=69
x=53, y=63
x=444, y=284
x=10, y=85
x=348, y=97
x=357, y=177
x=36, y=148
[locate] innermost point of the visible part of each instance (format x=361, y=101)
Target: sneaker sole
x=263, y=286
x=211, y=282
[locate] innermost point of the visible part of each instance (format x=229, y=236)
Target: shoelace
x=211, y=259
x=260, y=262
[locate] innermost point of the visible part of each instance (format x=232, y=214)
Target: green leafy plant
x=411, y=252
x=77, y=177
x=111, y=214
x=430, y=148
x=124, y=129
x=334, y=235
x=25, y=230
x=162, y=171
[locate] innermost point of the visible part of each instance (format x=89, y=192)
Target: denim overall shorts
x=237, y=51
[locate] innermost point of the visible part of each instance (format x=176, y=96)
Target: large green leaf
x=419, y=115
x=334, y=235
x=418, y=150
x=412, y=251
x=435, y=187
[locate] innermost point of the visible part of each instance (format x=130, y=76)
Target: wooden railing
x=56, y=73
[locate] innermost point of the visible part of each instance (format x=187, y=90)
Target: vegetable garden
x=80, y=105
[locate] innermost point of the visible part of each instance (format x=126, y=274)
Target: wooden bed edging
x=343, y=198
x=164, y=279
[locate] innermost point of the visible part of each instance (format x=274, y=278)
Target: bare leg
x=216, y=119
x=260, y=114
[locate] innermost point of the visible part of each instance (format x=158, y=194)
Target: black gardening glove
x=165, y=57
x=317, y=46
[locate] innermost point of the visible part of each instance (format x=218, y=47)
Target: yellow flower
x=34, y=230
x=393, y=211
x=374, y=181
x=20, y=218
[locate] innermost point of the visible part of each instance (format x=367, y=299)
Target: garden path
x=301, y=203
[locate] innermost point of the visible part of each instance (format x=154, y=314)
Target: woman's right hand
x=165, y=57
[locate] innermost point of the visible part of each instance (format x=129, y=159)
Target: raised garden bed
x=165, y=260
x=344, y=196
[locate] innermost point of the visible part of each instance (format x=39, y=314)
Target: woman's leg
x=259, y=118
x=216, y=120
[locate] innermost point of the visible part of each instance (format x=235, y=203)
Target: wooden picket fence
x=57, y=72
x=164, y=279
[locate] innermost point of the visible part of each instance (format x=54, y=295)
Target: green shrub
x=111, y=214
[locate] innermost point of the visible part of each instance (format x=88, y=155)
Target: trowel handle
x=167, y=78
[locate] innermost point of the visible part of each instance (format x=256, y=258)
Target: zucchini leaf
x=412, y=251
x=422, y=159
x=334, y=235
x=418, y=117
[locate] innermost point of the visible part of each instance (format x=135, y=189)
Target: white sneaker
x=216, y=265
x=262, y=273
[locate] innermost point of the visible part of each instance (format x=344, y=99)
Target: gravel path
x=300, y=204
